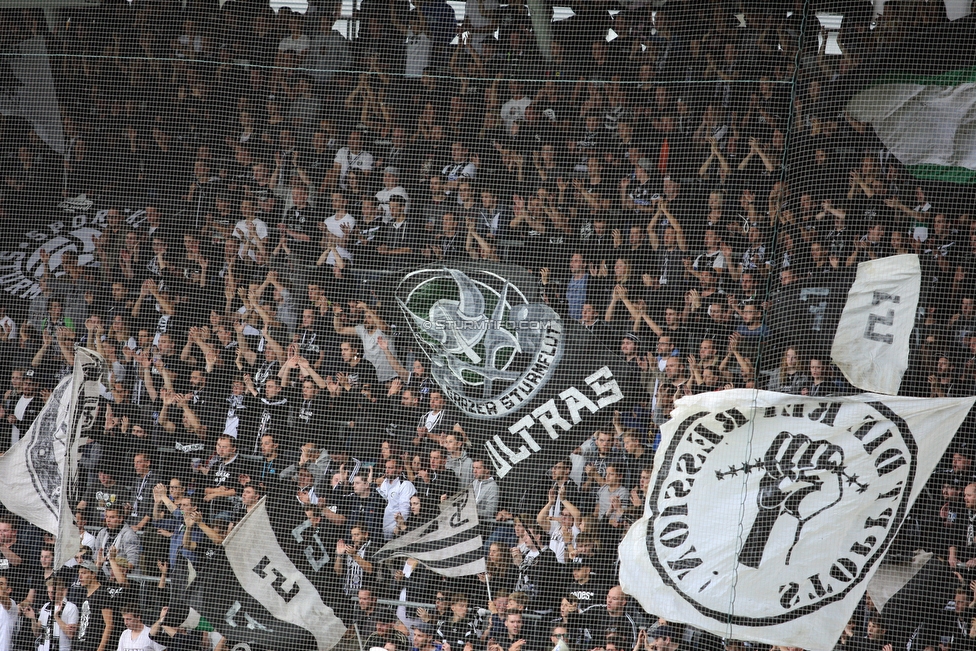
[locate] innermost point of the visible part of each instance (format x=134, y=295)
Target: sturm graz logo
x=20, y=267
x=491, y=348
x=786, y=479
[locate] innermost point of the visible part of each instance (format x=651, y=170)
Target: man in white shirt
x=252, y=232
x=514, y=109
x=57, y=620
x=352, y=157
x=8, y=615
x=137, y=636
x=337, y=229
x=397, y=492
x=391, y=187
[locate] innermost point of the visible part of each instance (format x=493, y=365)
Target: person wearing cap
x=391, y=188
x=96, y=626
x=422, y=638
x=585, y=587
x=664, y=638
x=388, y=629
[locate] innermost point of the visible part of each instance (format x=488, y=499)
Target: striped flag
x=449, y=545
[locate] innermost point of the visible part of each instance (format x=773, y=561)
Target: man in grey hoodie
x=119, y=535
x=458, y=460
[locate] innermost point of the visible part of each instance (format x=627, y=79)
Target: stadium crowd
x=263, y=178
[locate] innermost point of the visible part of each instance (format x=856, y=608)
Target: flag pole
x=359, y=638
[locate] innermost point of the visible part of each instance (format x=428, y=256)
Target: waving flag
x=768, y=514
x=449, y=544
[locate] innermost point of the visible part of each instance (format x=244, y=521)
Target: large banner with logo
x=769, y=513
x=524, y=379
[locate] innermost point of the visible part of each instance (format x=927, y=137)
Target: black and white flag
x=38, y=474
x=267, y=574
x=29, y=91
x=30, y=471
x=871, y=343
x=768, y=514
x=450, y=544
x=87, y=380
x=527, y=383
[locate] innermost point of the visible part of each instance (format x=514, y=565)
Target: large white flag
x=768, y=513
x=871, y=344
x=86, y=385
x=450, y=544
x=30, y=471
x=266, y=573
x=34, y=483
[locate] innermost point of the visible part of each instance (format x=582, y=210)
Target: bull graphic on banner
x=489, y=366
x=524, y=380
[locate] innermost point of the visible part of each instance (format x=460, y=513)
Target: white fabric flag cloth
x=768, y=513
x=449, y=545
x=892, y=577
x=955, y=9
x=871, y=343
x=30, y=471
x=266, y=573
x=87, y=380
x=926, y=122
